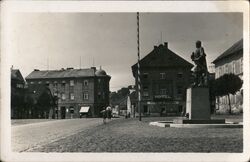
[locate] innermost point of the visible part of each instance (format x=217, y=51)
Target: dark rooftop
x=162, y=56
x=232, y=50
x=63, y=73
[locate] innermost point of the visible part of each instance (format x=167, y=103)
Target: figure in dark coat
x=200, y=71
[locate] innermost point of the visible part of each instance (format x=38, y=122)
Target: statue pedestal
x=198, y=108
x=197, y=103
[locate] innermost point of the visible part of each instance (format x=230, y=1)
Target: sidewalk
x=131, y=135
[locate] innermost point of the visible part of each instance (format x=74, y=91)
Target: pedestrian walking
x=109, y=112
x=104, y=116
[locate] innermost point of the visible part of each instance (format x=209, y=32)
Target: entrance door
x=63, y=112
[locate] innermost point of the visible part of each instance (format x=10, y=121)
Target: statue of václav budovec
x=199, y=71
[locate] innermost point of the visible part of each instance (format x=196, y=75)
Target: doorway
x=63, y=112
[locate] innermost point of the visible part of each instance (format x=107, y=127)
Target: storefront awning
x=84, y=109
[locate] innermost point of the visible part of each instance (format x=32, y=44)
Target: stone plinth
x=198, y=121
x=197, y=103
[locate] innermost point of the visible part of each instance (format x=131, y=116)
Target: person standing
x=109, y=112
x=104, y=116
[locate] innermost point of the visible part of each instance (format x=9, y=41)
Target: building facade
x=165, y=76
x=17, y=94
x=77, y=91
x=230, y=61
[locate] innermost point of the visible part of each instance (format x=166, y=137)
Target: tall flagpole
x=138, y=67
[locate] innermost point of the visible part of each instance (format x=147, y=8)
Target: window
x=179, y=90
x=99, y=80
x=241, y=65
x=71, y=109
x=103, y=95
x=226, y=69
x=234, y=67
x=40, y=82
x=179, y=75
x=163, y=91
x=55, y=85
x=145, y=108
x=55, y=94
x=19, y=85
x=71, y=83
x=145, y=75
x=71, y=96
x=47, y=83
x=162, y=75
x=145, y=91
x=63, y=96
x=99, y=95
x=31, y=82
x=85, y=95
x=63, y=85
x=85, y=83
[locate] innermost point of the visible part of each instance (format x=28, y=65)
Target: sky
x=60, y=40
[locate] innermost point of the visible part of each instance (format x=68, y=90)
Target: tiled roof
x=232, y=50
x=16, y=75
x=67, y=73
x=162, y=56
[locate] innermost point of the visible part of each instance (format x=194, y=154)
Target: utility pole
x=138, y=66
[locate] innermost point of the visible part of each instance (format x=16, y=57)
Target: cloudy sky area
x=109, y=39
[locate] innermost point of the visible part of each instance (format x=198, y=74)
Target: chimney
x=36, y=70
x=70, y=68
x=94, y=68
x=166, y=44
x=155, y=47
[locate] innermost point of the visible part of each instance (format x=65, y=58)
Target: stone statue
x=200, y=71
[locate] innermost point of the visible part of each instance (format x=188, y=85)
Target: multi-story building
x=17, y=94
x=78, y=90
x=165, y=76
x=230, y=61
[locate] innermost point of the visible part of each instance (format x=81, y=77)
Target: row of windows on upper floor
x=63, y=96
x=162, y=91
x=163, y=75
x=63, y=82
x=235, y=67
x=55, y=83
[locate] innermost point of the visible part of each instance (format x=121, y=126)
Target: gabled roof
x=16, y=75
x=235, y=48
x=65, y=73
x=162, y=56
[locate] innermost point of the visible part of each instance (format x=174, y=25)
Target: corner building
x=75, y=90
x=230, y=61
x=164, y=76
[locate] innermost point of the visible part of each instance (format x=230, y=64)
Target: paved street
x=131, y=135
x=29, y=136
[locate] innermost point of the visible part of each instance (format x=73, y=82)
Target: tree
x=226, y=85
